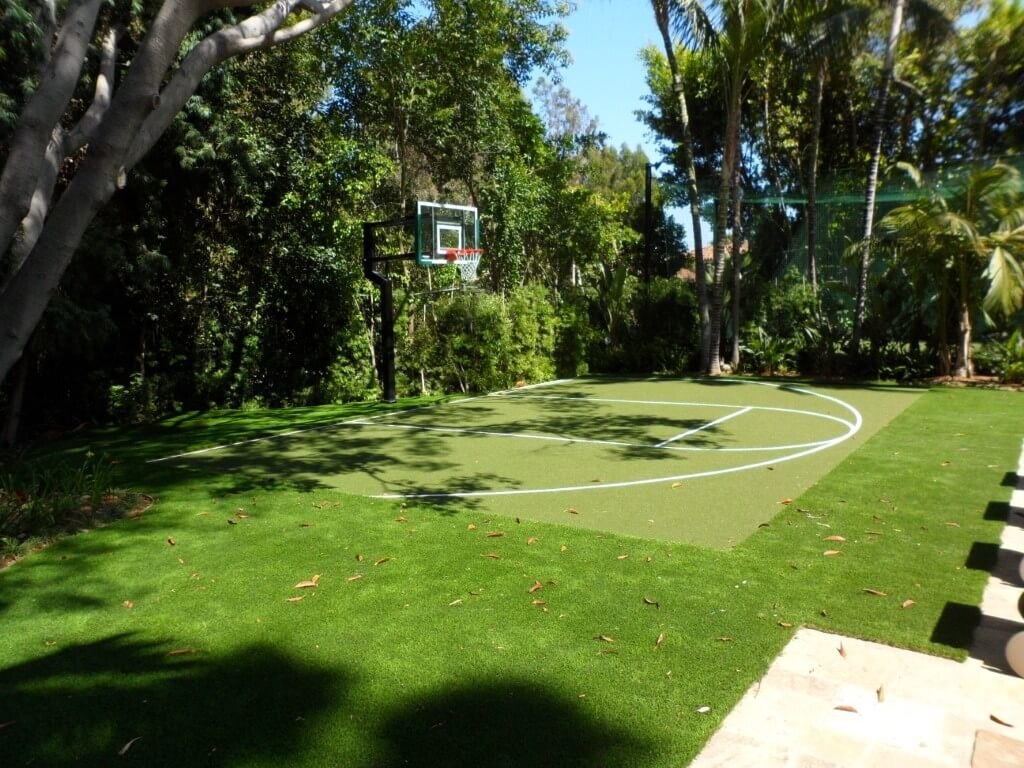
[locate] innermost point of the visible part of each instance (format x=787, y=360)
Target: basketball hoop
x=467, y=260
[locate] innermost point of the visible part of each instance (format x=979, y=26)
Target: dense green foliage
x=229, y=274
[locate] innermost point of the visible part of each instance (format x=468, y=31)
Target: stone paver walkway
x=881, y=707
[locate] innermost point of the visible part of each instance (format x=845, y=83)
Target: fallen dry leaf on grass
x=382, y=561
x=128, y=604
x=703, y=710
x=295, y=599
x=531, y=540
x=492, y=556
x=171, y=541
x=359, y=558
x=830, y=552
x=953, y=525
x=231, y=522
x=241, y=515
x=876, y=592
x=181, y=652
x=307, y=525
x=124, y=750
x=536, y=585
x=835, y=538
x=456, y=601
x=471, y=527
x=724, y=639
x=604, y=638
x=786, y=501
x=785, y=624
x=622, y=557
x=308, y=583
x=495, y=534
x=572, y=511
x=538, y=602
x=908, y=604
x=401, y=519
x=659, y=641
x=676, y=485
x=648, y=601
x=355, y=577
x=563, y=548
x=180, y=561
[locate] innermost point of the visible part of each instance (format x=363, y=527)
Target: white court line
x=362, y=420
x=852, y=429
x=778, y=409
x=710, y=424
x=584, y=440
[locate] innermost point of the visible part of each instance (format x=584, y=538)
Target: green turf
x=438, y=656
x=517, y=445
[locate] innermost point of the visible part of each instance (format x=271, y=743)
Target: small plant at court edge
x=768, y=354
x=41, y=501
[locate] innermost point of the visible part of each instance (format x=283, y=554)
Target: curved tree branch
x=27, y=151
x=261, y=30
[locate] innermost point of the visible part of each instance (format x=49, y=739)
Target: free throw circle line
x=853, y=428
x=734, y=406
x=581, y=440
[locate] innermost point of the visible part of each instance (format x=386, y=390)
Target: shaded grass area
x=441, y=655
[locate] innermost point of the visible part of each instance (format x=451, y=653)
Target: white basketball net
x=467, y=260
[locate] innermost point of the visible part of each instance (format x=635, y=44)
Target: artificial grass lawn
x=439, y=656
x=671, y=446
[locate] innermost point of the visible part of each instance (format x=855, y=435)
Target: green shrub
x=40, y=498
x=1002, y=358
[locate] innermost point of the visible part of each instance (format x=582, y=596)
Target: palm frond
x=692, y=23
x=1006, y=283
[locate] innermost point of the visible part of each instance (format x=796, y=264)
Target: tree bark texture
x=812, y=174
x=729, y=154
x=690, y=169
x=888, y=69
x=120, y=127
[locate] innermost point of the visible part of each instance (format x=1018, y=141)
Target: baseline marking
x=336, y=424
x=710, y=424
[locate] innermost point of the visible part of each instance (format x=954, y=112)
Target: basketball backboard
x=441, y=227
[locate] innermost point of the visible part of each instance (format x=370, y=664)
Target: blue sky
x=605, y=38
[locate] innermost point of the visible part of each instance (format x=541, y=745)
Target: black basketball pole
x=387, y=304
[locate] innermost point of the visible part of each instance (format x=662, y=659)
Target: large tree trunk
x=692, y=193
x=964, y=368
x=118, y=136
x=729, y=154
x=888, y=69
x=812, y=174
x=737, y=265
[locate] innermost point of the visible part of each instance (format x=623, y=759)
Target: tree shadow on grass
x=504, y=725
x=81, y=704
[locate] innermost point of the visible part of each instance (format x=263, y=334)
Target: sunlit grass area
x=281, y=625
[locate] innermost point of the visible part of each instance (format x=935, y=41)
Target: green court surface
x=704, y=461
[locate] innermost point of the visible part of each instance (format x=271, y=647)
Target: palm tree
x=746, y=32
x=931, y=18
x=819, y=39
x=882, y=103
x=691, y=21
x=974, y=237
